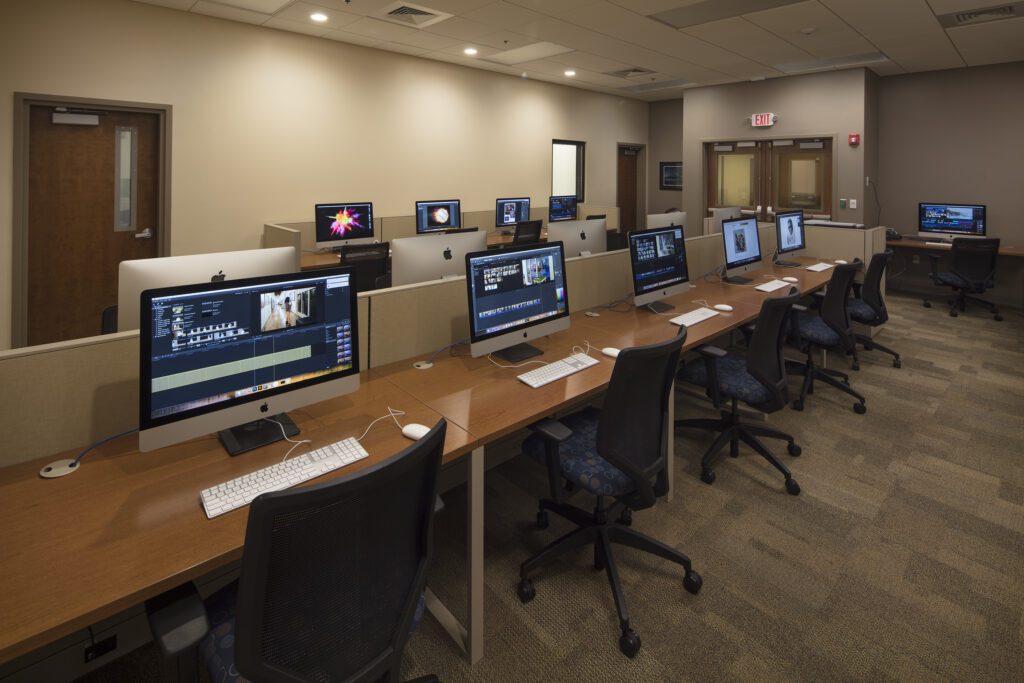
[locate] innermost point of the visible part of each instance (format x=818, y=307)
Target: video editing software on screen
x=659, y=259
x=963, y=219
x=343, y=221
x=562, y=208
x=214, y=346
x=432, y=216
x=509, y=290
x=512, y=211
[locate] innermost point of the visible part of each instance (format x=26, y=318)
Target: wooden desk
x=1004, y=249
x=129, y=525
x=311, y=260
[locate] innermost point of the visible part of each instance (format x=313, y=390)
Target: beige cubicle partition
x=280, y=236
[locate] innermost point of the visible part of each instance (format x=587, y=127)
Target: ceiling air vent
x=982, y=16
x=408, y=14
x=631, y=72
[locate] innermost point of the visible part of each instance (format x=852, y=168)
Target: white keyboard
x=693, y=317
x=240, y=492
x=818, y=267
x=946, y=245
x=772, y=286
x=557, y=370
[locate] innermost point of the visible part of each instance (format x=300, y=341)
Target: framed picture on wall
x=671, y=175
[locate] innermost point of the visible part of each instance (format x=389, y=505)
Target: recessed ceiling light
x=570, y=72
x=471, y=51
x=318, y=17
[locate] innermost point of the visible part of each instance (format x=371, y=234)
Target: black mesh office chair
x=332, y=576
x=973, y=272
x=829, y=330
x=383, y=281
x=108, y=320
x=370, y=262
x=758, y=379
x=619, y=452
x=527, y=232
x=867, y=306
x=615, y=240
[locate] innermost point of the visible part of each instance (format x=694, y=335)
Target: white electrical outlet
x=853, y=203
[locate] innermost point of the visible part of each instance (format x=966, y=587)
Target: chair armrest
x=711, y=354
x=177, y=619
x=794, y=323
x=551, y=430
x=817, y=299
x=934, y=258
x=553, y=433
x=857, y=289
x=709, y=351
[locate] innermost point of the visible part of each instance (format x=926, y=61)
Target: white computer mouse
x=610, y=351
x=722, y=307
x=415, y=431
x=790, y=278
x=840, y=261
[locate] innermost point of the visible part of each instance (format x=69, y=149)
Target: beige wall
x=825, y=104
x=266, y=123
x=953, y=136
x=666, y=144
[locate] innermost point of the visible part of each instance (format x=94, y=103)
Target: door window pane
x=567, y=168
x=802, y=177
x=737, y=179
x=125, y=182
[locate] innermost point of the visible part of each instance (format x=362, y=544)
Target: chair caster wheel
x=707, y=476
x=542, y=519
x=897, y=363
x=692, y=582
x=998, y=318
x=927, y=304
x=792, y=488
x=629, y=643
x=798, y=405
x=794, y=449
x=626, y=518
x=860, y=408
x=953, y=314
x=526, y=591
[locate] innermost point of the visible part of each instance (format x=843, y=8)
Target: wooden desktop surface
x=1004, y=249
x=129, y=525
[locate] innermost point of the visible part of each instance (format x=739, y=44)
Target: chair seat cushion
x=733, y=379
x=951, y=280
x=580, y=462
x=861, y=311
x=817, y=331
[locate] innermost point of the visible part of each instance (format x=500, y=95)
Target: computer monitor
x=958, y=220
x=721, y=214
x=664, y=220
x=562, y=208
x=658, y=258
x=789, y=233
x=742, y=248
x=515, y=295
x=438, y=216
x=432, y=257
x=218, y=355
x=340, y=224
x=135, y=276
x=581, y=238
x=508, y=212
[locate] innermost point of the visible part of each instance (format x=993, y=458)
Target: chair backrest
x=332, y=573
x=974, y=259
x=615, y=240
x=108, y=320
x=527, y=232
x=370, y=262
x=632, y=431
x=383, y=281
x=871, y=290
x=764, y=354
x=596, y=216
x=834, y=310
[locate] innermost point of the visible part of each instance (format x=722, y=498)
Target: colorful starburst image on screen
x=345, y=221
x=440, y=216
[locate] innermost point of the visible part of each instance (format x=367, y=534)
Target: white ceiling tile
x=503, y=15
x=950, y=6
x=462, y=29
x=307, y=27
x=991, y=43
x=649, y=7
x=360, y=7
x=214, y=9
x=457, y=7
x=400, y=34
x=301, y=12
x=832, y=37
x=887, y=68
x=749, y=40
x=173, y=4
x=585, y=60
x=505, y=40
x=264, y=6
x=404, y=49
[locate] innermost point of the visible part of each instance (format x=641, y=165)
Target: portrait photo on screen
x=740, y=242
x=790, y=236
x=666, y=244
x=288, y=308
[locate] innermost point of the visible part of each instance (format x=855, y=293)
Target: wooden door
x=626, y=196
x=73, y=246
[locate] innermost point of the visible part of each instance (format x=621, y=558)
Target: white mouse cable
x=392, y=413
x=284, y=435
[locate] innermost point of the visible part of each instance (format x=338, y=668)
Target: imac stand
x=246, y=437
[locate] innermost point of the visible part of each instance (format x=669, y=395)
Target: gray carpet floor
x=902, y=559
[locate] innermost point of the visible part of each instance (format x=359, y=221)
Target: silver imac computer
x=742, y=248
x=665, y=220
x=438, y=216
x=224, y=355
x=341, y=224
x=719, y=215
x=580, y=238
x=515, y=295
x=658, y=258
x=509, y=212
x=135, y=276
x=943, y=221
x=432, y=257
x=789, y=231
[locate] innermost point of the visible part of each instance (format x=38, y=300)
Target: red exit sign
x=762, y=120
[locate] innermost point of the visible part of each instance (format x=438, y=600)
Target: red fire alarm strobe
x=854, y=139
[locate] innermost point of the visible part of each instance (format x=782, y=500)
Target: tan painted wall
x=267, y=123
x=666, y=144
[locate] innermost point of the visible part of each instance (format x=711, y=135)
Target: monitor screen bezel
x=930, y=231
x=778, y=231
x=146, y=421
x=576, y=207
x=429, y=231
x=338, y=241
x=476, y=338
x=757, y=236
x=497, y=204
x=632, y=258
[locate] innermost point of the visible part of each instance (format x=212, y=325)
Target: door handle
x=144, y=235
